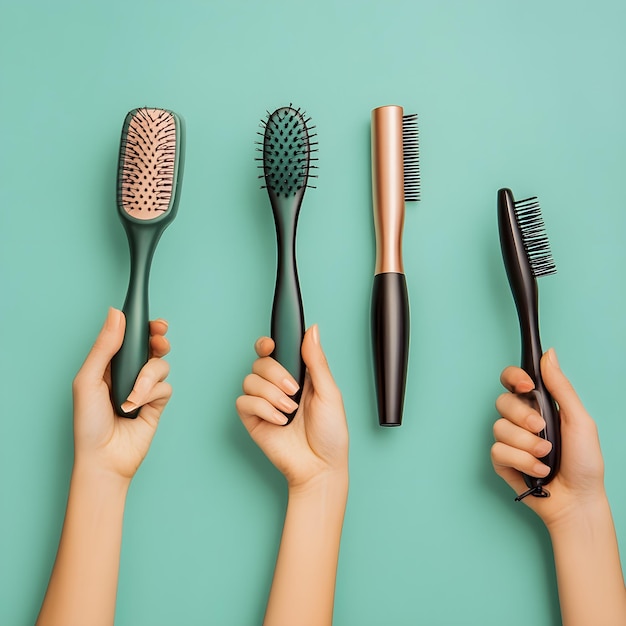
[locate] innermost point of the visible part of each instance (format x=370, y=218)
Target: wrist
x=331, y=483
x=579, y=515
x=88, y=474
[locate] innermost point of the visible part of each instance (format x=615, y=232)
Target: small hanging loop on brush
x=538, y=491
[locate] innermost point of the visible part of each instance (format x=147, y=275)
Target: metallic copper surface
x=388, y=187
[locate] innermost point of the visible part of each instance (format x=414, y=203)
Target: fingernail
x=542, y=448
x=113, y=319
x=553, y=358
x=290, y=386
x=128, y=407
x=535, y=423
x=540, y=469
x=280, y=419
x=315, y=334
x=258, y=343
x=162, y=321
x=288, y=404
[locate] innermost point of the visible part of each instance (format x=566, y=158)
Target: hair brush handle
x=390, y=341
x=135, y=350
x=287, y=322
x=526, y=296
x=541, y=400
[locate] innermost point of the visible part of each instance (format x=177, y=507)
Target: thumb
x=559, y=386
x=316, y=363
x=108, y=342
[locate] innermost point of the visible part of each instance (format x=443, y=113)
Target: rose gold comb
x=395, y=180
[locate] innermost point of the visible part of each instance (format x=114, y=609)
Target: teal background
x=529, y=95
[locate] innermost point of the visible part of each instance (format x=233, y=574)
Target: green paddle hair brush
x=286, y=163
x=148, y=190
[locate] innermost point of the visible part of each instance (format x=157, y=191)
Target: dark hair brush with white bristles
x=287, y=147
x=526, y=254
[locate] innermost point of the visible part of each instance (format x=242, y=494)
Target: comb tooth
x=410, y=149
x=534, y=237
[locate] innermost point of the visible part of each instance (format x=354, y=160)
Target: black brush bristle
x=410, y=148
x=536, y=244
x=286, y=149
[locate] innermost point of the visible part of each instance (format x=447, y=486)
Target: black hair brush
x=526, y=254
x=287, y=149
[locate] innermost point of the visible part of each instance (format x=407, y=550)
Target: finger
x=153, y=372
x=158, y=327
x=108, y=342
x=152, y=409
x=511, y=476
x=506, y=457
x=275, y=373
x=316, y=363
x=159, y=346
x=264, y=346
x=251, y=409
x=517, y=437
x=560, y=387
x=254, y=385
x=515, y=379
x=159, y=394
x=518, y=410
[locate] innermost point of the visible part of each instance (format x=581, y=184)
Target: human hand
x=316, y=441
x=103, y=440
x=580, y=481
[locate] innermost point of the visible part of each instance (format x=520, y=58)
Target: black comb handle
x=287, y=322
x=390, y=342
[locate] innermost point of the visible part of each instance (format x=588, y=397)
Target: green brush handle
x=135, y=350
x=287, y=324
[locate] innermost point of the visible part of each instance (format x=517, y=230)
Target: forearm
x=303, y=588
x=83, y=583
x=589, y=573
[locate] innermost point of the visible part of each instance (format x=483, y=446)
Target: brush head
x=287, y=147
x=148, y=170
x=536, y=244
x=411, y=158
